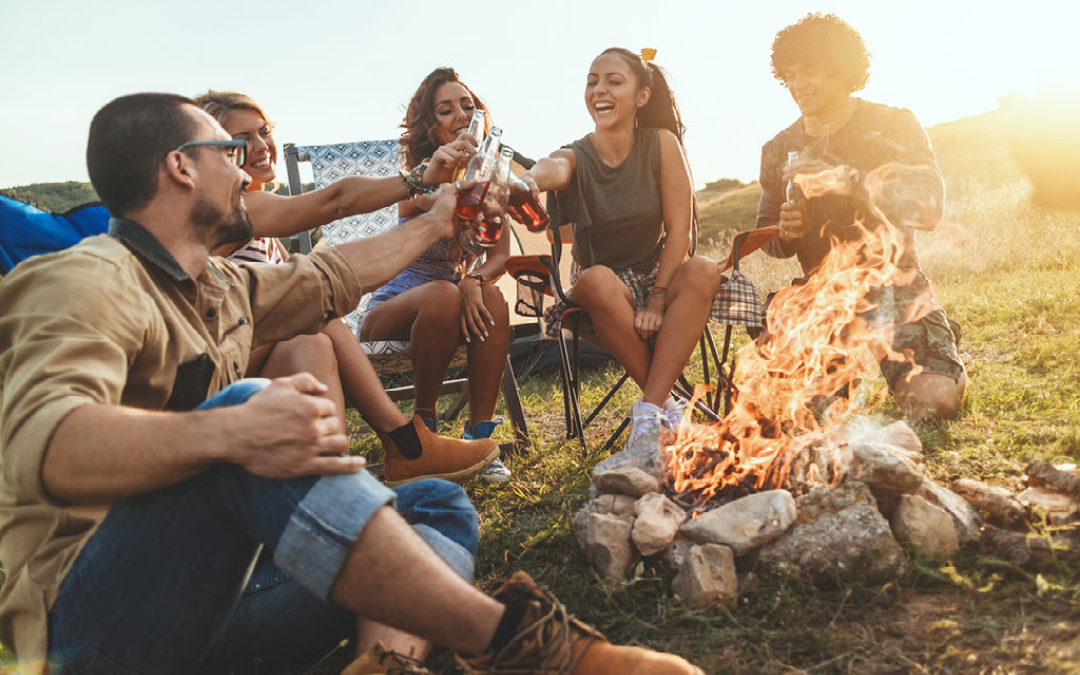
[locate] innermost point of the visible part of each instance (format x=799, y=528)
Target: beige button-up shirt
x=116, y=320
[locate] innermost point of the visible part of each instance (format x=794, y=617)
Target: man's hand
x=791, y=222
x=289, y=430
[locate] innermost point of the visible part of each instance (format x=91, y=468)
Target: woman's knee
x=496, y=303
x=308, y=353
x=596, y=285
x=701, y=275
x=441, y=302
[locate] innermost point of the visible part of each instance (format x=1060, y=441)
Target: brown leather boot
x=551, y=641
x=383, y=661
x=448, y=458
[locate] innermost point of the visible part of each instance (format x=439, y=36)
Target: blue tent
x=27, y=231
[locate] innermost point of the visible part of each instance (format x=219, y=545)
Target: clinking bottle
x=481, y=169
x=476, y=130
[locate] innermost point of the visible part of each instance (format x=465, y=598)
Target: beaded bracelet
x=414, y=181
x=658, y=292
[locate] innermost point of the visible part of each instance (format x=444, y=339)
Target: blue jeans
x=230, y=573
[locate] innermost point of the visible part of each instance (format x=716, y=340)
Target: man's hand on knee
x=290, y=430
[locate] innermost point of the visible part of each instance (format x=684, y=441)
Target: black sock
x=508, y=627
x=407, y=441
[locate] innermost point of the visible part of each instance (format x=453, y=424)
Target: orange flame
x=822, y=334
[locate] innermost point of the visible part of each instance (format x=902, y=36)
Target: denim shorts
x=228, y=572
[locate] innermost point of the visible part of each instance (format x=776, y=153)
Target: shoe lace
x=639, y=424
x=673, y=417
x=553, y=643
x=399, y=664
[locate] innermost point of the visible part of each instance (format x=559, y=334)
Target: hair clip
x=648, y=54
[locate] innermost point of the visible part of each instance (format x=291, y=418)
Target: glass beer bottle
x=526, y=208
x=793, y=191
x=495, y=201
x=481, y=169
x=476, y=130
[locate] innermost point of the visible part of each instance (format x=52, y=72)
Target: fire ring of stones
x=846, y=521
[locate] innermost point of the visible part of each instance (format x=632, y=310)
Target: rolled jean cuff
x=325, y=525
x=453, y=554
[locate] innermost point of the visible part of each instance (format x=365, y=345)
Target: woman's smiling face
x=262, y=149
x=454, y=107
x=612, y=94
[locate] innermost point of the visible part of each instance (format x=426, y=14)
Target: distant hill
x=971, y=151
x=59, y=197
x=53, y=197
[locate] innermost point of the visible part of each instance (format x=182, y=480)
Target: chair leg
x=570, y=398
x=456, y=406
x=512, y=399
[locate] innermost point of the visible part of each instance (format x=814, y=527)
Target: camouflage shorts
x=932, y=343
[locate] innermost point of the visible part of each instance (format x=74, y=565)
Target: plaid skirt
x=736, y=300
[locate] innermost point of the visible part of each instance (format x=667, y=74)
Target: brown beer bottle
x=481, y=169
x=494, y=205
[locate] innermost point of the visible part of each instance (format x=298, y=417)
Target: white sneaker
x=643, y=417
x=495, y=473
x=674, y=409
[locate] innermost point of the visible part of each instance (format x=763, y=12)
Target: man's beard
x=222, y=228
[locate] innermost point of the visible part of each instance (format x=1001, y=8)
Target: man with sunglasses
x=160, y=515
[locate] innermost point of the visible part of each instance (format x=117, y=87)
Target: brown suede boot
x=551, y=641
x=448, y=458
x=383, y=661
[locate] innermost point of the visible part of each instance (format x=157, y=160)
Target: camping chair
x=330, y=163
x=26, y=231
x=538, y=277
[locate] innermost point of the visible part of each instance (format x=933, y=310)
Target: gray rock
x=899, y=436
x=657, y=523
x=621, y=506
x=675, y=554
x=965, y=517
x=625, y=480
x=839, y=534
x=925, y=526
x=744, y=524
x=884, y=467
x=605, y=540
x=644, y=454
x=708, y=577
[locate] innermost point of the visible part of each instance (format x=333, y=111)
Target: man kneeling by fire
x=848, y=184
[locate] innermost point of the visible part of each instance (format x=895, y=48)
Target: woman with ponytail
x=626, y=188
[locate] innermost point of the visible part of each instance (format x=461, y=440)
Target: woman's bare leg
x=360, y=382
x=308, y=354
x=487, y=359
x=429, y=317
x=689, y=301
x=611, y=309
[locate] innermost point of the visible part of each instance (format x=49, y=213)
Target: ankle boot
x=383, y=661
x=551, y=641
x=447, y=458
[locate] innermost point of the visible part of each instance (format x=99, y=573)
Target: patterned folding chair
x=330, y=163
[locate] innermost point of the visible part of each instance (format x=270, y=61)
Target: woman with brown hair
x=448, y=294
x=627, y=190
x=334, y=356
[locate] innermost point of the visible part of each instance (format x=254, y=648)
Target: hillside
x=53, y=197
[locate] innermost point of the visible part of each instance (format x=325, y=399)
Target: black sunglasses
x=237, y=149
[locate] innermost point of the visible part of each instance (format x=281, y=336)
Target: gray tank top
x=617, y=213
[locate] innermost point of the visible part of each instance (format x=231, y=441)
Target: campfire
x=793, y=481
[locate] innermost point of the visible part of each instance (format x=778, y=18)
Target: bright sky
x=340, y=70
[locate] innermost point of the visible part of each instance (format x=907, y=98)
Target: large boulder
x=708, y=576
x=744, y=524
x=926, y=527
x=839, y=535
x=657, y=523
x=605, y=540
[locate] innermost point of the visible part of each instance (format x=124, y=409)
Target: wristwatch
x=479, y=277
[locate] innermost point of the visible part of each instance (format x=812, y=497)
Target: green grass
x=1010, y=275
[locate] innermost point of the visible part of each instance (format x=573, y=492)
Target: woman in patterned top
x=626, y=188
x=447, y=295
x=334, y=356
